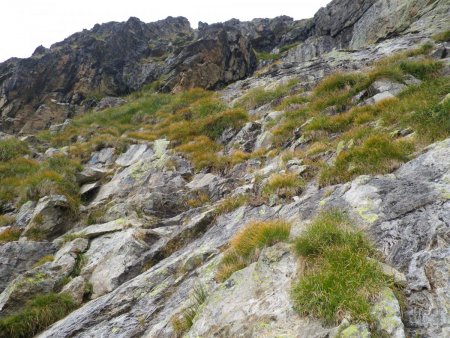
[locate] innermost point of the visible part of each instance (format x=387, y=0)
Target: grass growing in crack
x=245, y=246
x=10, y=235
x=43, y=260
x=442, y=37
x=283, y=185
x=39, y=313
x=230, y=204
x=183, y=322
x=339, y=280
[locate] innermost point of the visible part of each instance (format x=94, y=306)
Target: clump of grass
x=39, y=313
x=339, y=279
x=259, y=96
x=11, y=148
x=6, y=220
x=378, y=154
x=202, y=152
x=43, y=260
x=10, y=235
x=266, y=56
x=70, y=237
x=338, y=82
x=245, y=246
x=432, y=124
x=283, y=185
x=442, y=37
x=215, y=125
x=422, y=69
x=183, y=322
x=199, y=199
x=230, y=204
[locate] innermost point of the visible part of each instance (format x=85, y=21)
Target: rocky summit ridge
x=269, y=178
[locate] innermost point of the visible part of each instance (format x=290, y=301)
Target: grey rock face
x=18, y=257
x=255, y=302
x=50, y=217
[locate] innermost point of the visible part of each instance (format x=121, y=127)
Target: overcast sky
x=26, y=24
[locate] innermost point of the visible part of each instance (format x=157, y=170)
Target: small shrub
x=185, y=320
x=244, y=246
x=283, y=185
x=10, y=235
x=12, y=148
x=230, y=204
x=39, y=313
x=339, y=279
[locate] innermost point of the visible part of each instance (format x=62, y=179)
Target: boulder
x=134, y=153
x=109, y=102
x=51, y=217
x=76, y=288
x=90, y=174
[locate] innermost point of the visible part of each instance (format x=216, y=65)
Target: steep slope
x=200, y=213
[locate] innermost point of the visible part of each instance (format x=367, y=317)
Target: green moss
x=39, y=313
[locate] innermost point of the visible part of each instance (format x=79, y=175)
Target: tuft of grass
x=10, y=235
x=43, y=260
x=183, y=322
x=283, y=185
x=6, y=220
x=230, y=204
x=39, y=313
x=442, y=37
x=339, y=279
x=199, y=199
x=378, y=154
x=259, y=96
x=11, y=148
x=432, y=124
x=338, y=82
x=215, y=125
x=245, y=246
x=422, y=69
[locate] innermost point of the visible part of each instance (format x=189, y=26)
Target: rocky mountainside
x=246, y=179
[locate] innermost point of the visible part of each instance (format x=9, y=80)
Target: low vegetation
x=39, y=313
x=245, y=246
x=283, y=185
x=338, y=280
x=184, y=321
x=230, y=204
x=10, y=235
x=442, y=37
x=367, y=138
x=11, y=148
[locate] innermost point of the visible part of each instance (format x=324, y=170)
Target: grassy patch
x=10, y=235
x=230, y=204
x=339, y=279
x=245, y=246
x=442, y=37
x=259, y=96
x=183, y=322
x=378, y=154
x=283, y=185
x=39, y=313
x=43, y=260
x=11, y=148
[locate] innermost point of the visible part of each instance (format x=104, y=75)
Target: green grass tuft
x=39, y=313
x=442, y=37
x=10, y=235
x=185, y=320
x=339, y=279
x=12, y=148
x=244, y=247
x=283, y=185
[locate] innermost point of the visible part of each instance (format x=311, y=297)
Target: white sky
x=26, y=24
